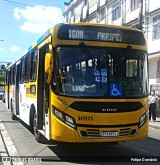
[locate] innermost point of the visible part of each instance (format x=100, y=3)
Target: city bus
x=82, y=83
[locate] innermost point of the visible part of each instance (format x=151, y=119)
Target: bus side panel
x=25, y=102
x=7, y=96
x=31, y=99
x=13, y=102
x=22, y=101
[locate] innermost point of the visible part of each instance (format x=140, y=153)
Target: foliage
x=2, y=77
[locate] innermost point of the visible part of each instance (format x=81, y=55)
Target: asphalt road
x=25, y=145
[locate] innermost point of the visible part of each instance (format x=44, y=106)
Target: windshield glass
x=81, y=71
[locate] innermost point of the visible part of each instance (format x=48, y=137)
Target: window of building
x=71, y=13
x=158, y=72
x=67, y=18
x=102, y=14
x=33, y=65
x=92, y=3
x=134, y=4
x=116, y=11
x=156, y=27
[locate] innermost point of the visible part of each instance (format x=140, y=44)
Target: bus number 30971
x=85, y=118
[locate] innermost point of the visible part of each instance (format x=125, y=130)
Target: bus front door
x=43, y=95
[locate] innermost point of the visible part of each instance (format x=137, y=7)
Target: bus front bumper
x=64, y=133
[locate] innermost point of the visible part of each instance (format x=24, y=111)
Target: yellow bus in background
x=82, y=82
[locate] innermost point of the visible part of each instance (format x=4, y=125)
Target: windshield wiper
x=89, y=56
x=86, y=52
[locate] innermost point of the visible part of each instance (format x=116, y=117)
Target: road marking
x=8, y=144
x=3, y=151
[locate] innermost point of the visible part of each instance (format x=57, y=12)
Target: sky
x=22, y=22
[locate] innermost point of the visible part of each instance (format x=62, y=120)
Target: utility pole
x=141, y=16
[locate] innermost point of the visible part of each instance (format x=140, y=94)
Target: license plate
x=110, y=133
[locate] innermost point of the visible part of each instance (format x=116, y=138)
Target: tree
x=2, y=78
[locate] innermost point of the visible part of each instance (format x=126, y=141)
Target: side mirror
x=49, y=64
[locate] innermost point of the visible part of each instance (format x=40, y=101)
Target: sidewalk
x=155, y=124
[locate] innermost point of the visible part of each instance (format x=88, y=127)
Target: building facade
x=140, y=14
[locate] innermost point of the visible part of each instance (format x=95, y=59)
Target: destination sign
x=102, y=34
x=80, y=34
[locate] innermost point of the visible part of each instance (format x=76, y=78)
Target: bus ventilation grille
x=96, y=133
x=106, y=107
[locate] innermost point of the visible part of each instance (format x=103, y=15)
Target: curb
x=154, y=125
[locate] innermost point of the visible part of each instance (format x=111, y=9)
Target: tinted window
x=22, y=70
x=27, y=68
x=33, y=65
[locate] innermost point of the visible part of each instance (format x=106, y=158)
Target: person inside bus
x=89, y=77
x=153, y=99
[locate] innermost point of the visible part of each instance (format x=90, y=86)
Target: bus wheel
x=13, y=117
x=38, y=136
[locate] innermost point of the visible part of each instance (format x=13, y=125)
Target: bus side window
x=7, y=77
x=20, y=71
x=12, y=76
x=27, y=66
x=22, y=68
x=33, y=65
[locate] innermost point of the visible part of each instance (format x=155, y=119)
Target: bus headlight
x=65, y=118
x=70, y=121
x=58, y=113
x=143, y=118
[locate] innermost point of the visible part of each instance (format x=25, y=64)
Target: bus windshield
x=85, y=71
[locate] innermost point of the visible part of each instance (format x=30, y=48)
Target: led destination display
x=102, y=34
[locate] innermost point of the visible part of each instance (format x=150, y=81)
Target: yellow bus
x=82, y=82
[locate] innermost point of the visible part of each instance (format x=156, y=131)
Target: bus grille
x=106, y=107
x=125, y=132
x=92, y=133
x=96, y=133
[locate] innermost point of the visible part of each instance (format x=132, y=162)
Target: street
x=26, y=146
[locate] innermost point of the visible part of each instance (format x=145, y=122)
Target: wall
x=153, y=5
x=153, y=70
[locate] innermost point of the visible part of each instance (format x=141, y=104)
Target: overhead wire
x=17, y=3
